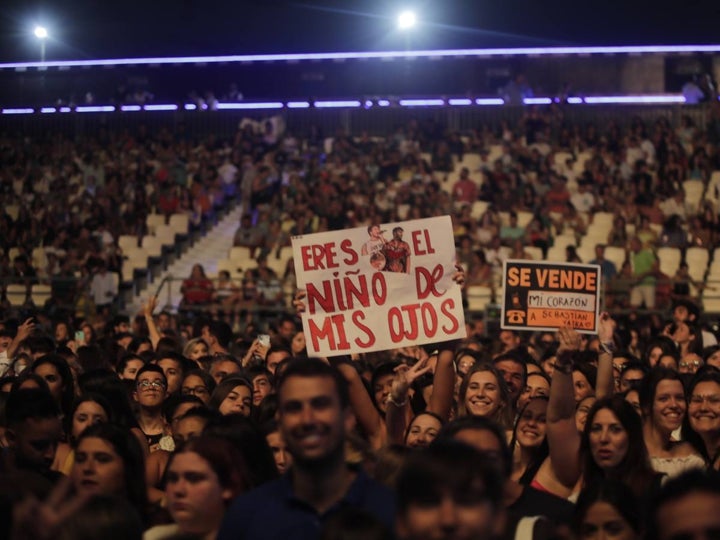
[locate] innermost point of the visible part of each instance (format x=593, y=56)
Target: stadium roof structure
x=381, y=55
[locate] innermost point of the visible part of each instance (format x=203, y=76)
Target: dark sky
x=131, y=28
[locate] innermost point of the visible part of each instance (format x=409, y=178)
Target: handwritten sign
x=380, y=287
x=547, y=295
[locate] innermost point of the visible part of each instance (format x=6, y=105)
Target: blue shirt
x=607, y=269
x=272, y=512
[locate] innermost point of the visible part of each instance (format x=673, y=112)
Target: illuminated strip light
x=48, y=110
x=298, y=104
x=383, y=103
x=489, y=101
x=509, y=51
x=422, y=102
x=65, y=109
x=649, y=99
x=190, y=107
x=18, y=111
x=95, y=108
x=249, y=106
x=537, y=101
x=334, y=104
x=161, y=107
x=130, y=108
x=575, y=100
x=460, y=101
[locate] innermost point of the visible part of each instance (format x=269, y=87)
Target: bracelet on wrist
x=398, y=404
x=565, y=368
x=608, y=347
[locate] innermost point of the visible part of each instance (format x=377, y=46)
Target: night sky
x=134, y=28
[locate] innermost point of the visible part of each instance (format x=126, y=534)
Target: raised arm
x=148, y=309
x=398, y=406
x=24, y=330
x=605, y=384
x=441, y=399
x=363, y=407
x=562, y=434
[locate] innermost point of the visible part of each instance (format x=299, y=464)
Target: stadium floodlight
x=406, y=20
x=42, y=34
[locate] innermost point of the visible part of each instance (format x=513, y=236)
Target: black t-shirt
x=533, y=502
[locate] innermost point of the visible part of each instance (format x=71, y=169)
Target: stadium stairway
x=207, y=251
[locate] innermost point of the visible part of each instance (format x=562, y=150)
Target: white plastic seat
x=240, y=253
x=152, y=245
x=127, y=242
x=478, y=297
x=153, y=221
x=166, y=235
x=478, y=209
x=180, y=223
x=556, y=254
x=616, y=255
x=669, y=259
x=16, y=294
x=39, y=294
x=535, y=252
x=231, y=267
x=697, y=259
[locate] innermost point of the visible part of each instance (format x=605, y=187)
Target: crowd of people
x=162, y=430
x=219, y=426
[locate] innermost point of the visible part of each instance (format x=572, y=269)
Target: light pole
x=42, y=34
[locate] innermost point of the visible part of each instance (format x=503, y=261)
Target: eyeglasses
x=697, y=399
x=694, y=364
x=145, y=385
x=197, y=390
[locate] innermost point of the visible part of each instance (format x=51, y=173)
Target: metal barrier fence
x=375, y=121
x=169, y=296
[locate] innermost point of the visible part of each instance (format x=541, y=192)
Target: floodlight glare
x=41, y=32
x=406, y=20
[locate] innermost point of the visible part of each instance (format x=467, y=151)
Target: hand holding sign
x=569, y=340
x=606, y=328
x=359, y=293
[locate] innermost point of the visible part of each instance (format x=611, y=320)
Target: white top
x=675, y=466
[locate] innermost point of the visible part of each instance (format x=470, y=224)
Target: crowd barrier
x=375, y=121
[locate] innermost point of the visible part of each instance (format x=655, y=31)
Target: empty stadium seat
x=534, y=252
x=39, y=294
x=231, y=267
x=669, y=259
x=478, y=297
x=240, y=253
x=616, y=255
x=16, y=294
x=697, y=259
x=153, y=221
x=127, y=242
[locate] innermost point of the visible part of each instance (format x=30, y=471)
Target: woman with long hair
x=483, y=392
x=664, y=406
x=608, y=510
x=58, y=376
x=109, y=461
x=232, y=395
x=86, y=410
x=702, y=423
x=201, y=480
x=529, y=441
x=612, y=447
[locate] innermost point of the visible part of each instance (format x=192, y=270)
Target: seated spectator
x=246, y=235
x=197, y=290
x=512, y=231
